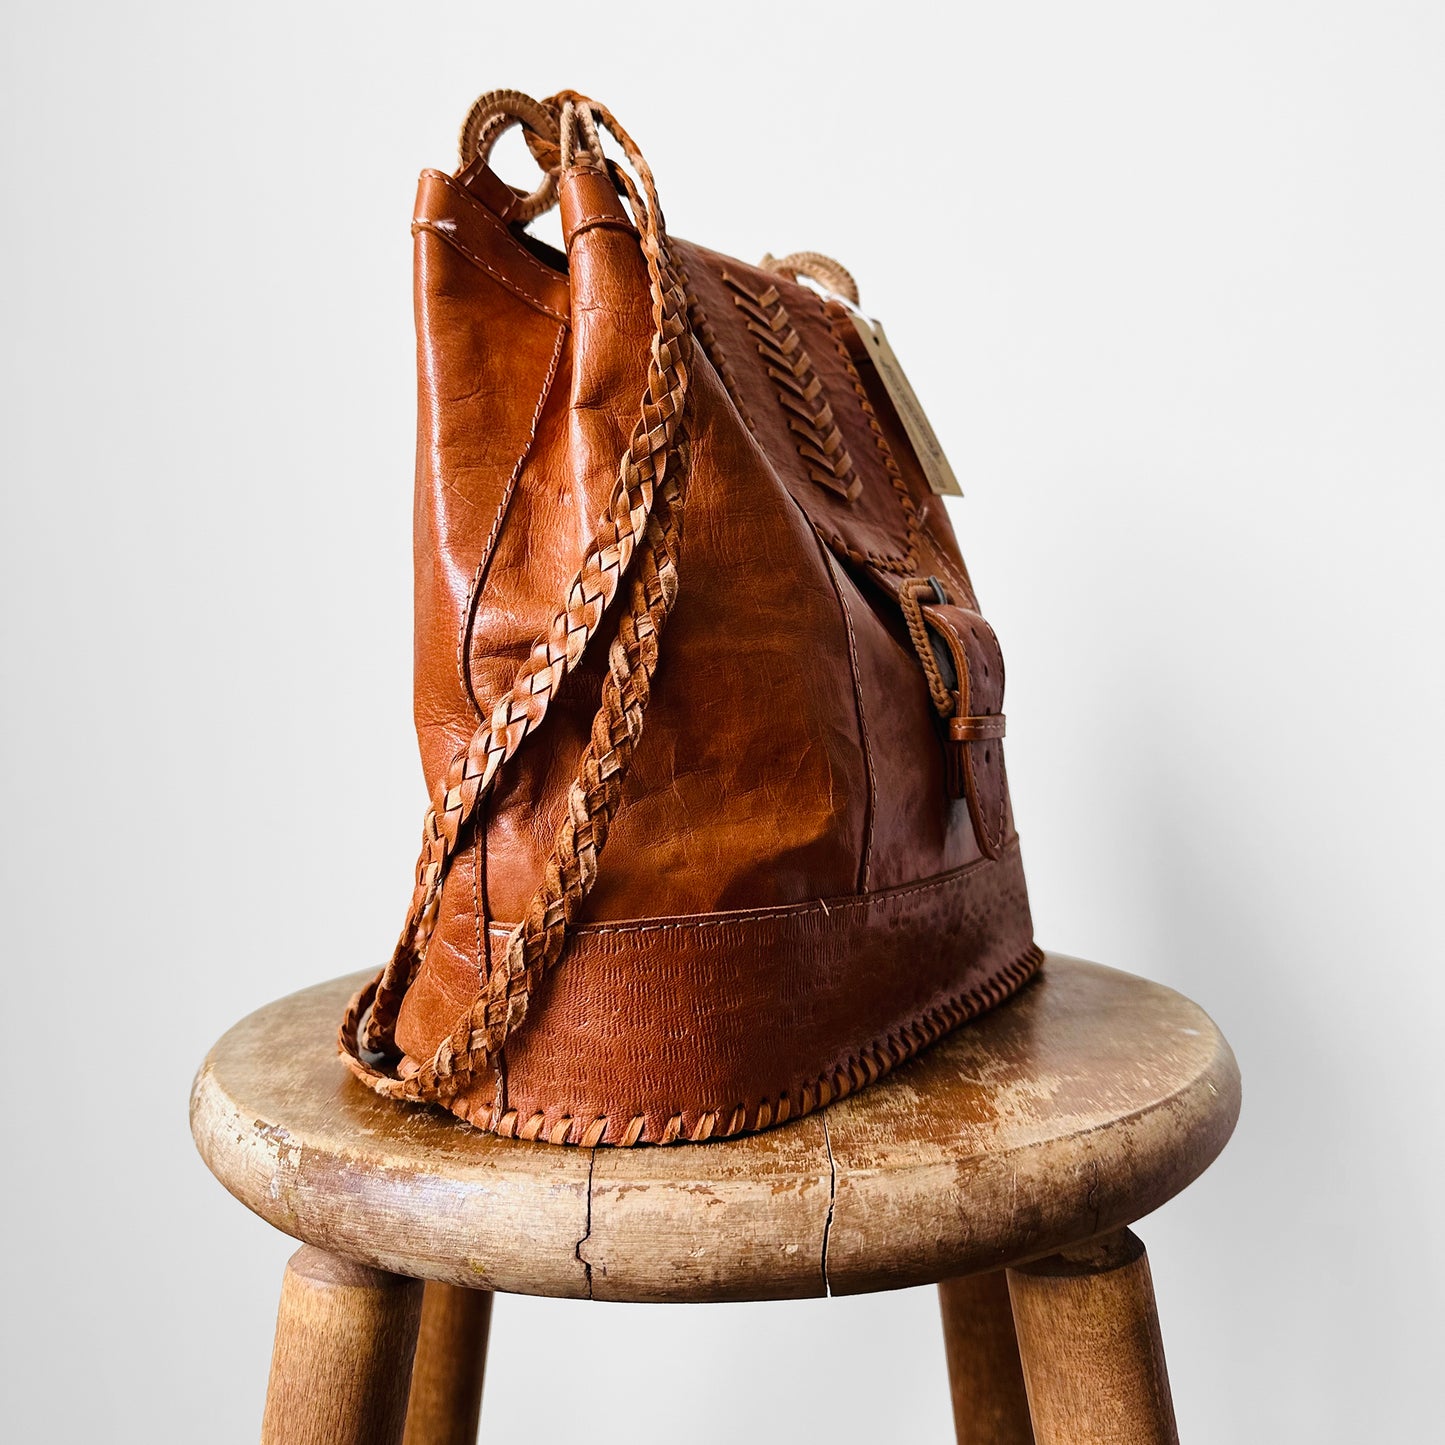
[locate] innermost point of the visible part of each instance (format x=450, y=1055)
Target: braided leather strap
x=592, y=802
x=473, y=770
x=645, y=507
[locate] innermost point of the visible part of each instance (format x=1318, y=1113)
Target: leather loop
x=588, y=198
x=493, y=114
x=975, y=729
x=831, y=275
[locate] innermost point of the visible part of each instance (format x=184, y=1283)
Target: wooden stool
x=1024, y=1142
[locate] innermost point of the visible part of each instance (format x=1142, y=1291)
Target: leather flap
x=786, y=360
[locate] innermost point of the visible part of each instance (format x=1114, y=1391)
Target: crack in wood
x=587, y=1228
x=832, y=1197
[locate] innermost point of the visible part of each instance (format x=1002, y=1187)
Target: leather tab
x=973, y=749
x=588, y=198
x=974, y=729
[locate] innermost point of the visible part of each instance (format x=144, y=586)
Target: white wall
x=1169, y=278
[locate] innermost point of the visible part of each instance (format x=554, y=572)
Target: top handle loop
x=493, y=114
x=831, y=275
x=563, y=133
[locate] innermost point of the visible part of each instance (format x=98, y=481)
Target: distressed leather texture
x=790, y=901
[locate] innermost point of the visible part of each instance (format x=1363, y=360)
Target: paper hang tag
x=941, y=480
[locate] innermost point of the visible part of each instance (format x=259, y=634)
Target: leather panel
x=715, y=1014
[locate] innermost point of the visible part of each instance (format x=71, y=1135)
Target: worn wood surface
x=990, y=1406
x=1078, y=1107
x=451, y=1360
x=341, y=1365
x=1088, y=1333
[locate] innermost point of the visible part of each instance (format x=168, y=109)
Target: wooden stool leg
x=342, y=1361
x=984, y=1374
x=1088, y=1333
x=451, y=1358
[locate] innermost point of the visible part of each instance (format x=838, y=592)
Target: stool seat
x=1066, y=1114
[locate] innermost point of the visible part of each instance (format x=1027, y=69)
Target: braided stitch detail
x=810, y=417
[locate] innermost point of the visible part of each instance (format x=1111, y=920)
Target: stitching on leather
x=941, y=560
x=800, y=390
x=948, y=567
x=827, y=907
x=950, y=570
x=452, y=240
x=884, y=561
x=483, y=943
x=890, y=462
x=862, y=1066
x=494, y=222
x=992, y=837
x=601, y=218
x=833, y=571
x=713, y=348
x=464, y=637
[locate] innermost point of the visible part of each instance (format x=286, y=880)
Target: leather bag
x=683, y=594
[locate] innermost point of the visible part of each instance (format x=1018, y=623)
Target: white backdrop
x=1170, y=281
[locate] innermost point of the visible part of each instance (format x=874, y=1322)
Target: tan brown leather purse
x=683, y=592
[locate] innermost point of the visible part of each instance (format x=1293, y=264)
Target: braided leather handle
x=641, y=528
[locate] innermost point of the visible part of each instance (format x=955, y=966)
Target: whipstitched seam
x=864, y=1066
